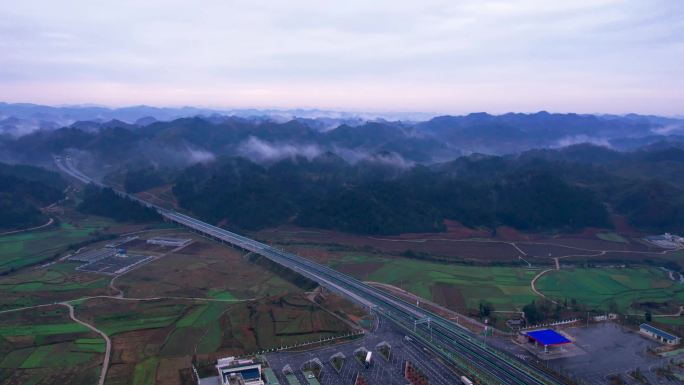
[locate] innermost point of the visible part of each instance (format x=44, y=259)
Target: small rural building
x=659, y=335
x=547, y=338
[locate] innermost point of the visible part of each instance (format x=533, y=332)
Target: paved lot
x=611, y=350
x=381, y=372
x=93, y=255
x=115, y=264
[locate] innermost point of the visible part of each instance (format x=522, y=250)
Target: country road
x=48, y=223
x=108, y=342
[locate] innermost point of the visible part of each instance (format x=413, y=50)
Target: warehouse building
x=659, y=335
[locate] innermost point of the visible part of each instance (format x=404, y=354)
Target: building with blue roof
x=659, y=335
x=547, y=338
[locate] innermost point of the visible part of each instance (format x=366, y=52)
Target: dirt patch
x=360, y=269
x=449, y=296
x=548, y=250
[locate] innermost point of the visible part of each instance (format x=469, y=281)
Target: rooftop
x=658, y=332
x=548, y=337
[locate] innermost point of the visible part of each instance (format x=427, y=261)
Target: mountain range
x=145, y=135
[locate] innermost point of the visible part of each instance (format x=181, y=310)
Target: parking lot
x=380, y=372
x=115, y=264
x=609, y=349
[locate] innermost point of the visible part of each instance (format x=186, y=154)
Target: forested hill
x=105, y=202
x=188, y=140
x=374, y=199
x=555, y=190
x=23, y=191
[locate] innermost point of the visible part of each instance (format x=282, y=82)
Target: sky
x=452, y=56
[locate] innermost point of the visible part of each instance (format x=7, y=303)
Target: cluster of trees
x=142, y=179
x=541, y=190
x=23, y=191
x=105, y=202
x=539, y=311
x=376, y=199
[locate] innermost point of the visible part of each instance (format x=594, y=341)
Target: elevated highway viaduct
x=452, y=343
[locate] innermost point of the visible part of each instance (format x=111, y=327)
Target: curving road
x=108, y=348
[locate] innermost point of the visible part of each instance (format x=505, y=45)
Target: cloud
x=262, y=151
x=16, y=127
x=669, y=129
x=387, y=158
x=579, y=139
x=441, y=56
x=390, y=159
x=196, y=155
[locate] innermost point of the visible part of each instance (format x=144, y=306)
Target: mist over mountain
x=564, y=189
x=145, y=135
x=534, y=172
x=18, y=119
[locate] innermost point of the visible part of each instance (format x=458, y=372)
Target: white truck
x=466, y=381
x=367, y=363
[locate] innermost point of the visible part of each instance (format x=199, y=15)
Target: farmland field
x=204, y=269
x=247, y=308
x=25, y=249
x=597, y=287
x=45, y=346
x=57, y=282
x=151, y=337
x=461, y=287
x=612, y=237
x=458, y=287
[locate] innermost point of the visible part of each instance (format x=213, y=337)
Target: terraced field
x=205, y=301
x=45, y=346
x=152, y=337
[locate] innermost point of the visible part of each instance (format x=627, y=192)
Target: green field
x=145, y=372
x=58, y=282
x=597, y=287
x=147, y=315
x=457, y=286
x=37, y=346
x=508, y=288
x=612, y=237
x=23, y=249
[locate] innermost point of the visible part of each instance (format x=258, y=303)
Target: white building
x=659, y=335
x=239, y=372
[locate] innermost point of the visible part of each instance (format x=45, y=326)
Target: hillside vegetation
x=23, y=191
x=373, y=199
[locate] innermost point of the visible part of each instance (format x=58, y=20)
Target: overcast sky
x=452, y=56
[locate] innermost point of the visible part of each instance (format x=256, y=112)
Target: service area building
x=239, y=372
x=547, y=338
x=659, y=335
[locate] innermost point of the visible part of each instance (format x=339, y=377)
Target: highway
x=452, y=343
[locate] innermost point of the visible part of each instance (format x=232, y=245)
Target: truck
x=367, y=363
x=466, y=381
